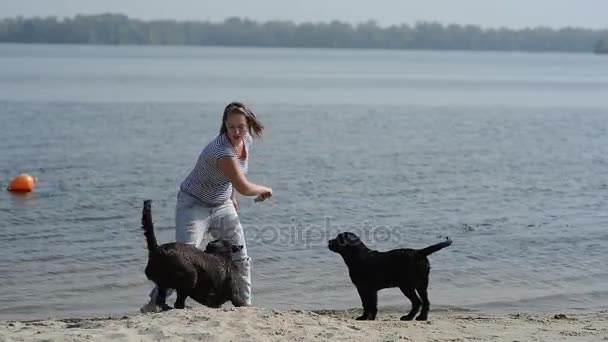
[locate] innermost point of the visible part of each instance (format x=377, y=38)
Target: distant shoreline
x=118, y=29
x=291, y=48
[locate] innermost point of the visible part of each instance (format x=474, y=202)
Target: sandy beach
x=259, y=324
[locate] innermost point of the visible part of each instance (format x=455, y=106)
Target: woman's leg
x=192, y=219
x=225, y=224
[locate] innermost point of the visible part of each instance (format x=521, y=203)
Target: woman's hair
x=254, y=125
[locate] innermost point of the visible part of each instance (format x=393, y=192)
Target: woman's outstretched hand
x=264, y=195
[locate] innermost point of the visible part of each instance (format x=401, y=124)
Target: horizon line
x=297, y=23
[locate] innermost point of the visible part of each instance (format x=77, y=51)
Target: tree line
x=119, y=29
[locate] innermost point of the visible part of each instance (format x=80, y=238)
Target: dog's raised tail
x=148, y=227
x=434, y=248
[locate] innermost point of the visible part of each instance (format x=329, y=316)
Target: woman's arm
x=234, y=201
x=229, y=166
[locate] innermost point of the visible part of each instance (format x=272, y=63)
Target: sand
x=258, y=324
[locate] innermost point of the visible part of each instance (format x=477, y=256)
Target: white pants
x=195, y=219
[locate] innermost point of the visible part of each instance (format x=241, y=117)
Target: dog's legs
x=422, y=291
x=180, y=302
x=411, y=295
x=161, y=297
x=237, y=300
x=369, y=299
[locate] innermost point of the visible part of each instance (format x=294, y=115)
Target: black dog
x=207, y=277
x=372, y=271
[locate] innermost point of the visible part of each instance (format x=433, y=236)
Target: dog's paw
x=421, y=318
x=165, y=307
x=407, y=318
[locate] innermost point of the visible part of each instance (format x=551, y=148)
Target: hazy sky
x=487, y=13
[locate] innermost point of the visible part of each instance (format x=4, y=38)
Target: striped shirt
x=206, y=181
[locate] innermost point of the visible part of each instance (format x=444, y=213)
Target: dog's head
x=346, y=243
x=222, y=248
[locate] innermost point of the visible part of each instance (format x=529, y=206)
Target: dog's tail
x=148, y=227
x=434, y=248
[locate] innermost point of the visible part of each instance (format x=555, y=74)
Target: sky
x=485, y=13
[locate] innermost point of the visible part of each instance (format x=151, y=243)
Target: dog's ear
x=347, y=238
x=236, y=248
x=352, y=238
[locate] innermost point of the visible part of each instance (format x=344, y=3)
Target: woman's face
x=236, y=127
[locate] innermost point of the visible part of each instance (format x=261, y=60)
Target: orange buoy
x=22, y=183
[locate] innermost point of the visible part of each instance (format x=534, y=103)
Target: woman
x=206, y=202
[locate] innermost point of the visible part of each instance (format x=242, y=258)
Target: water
x=505, y=153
